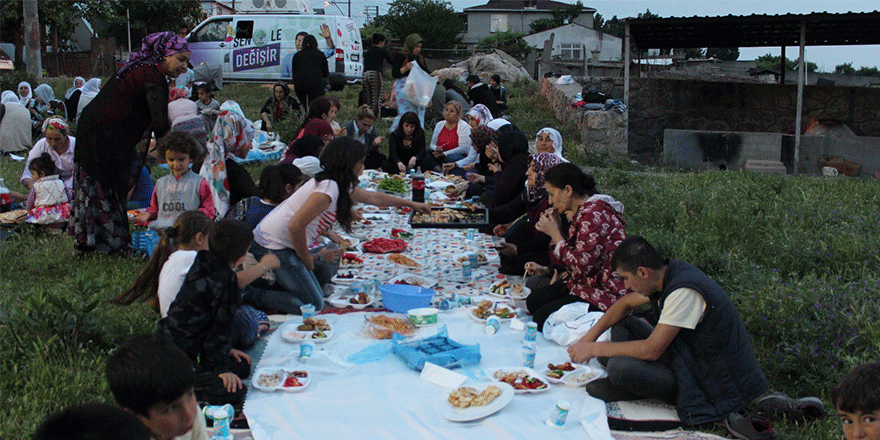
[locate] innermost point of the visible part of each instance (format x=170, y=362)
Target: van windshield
x=211, y=31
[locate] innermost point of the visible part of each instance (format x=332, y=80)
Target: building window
x=499, y=23
x=571, y=51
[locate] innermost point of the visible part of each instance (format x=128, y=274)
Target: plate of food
x=401, y=233
x=522, y=379
x=358, y=301
x=579, y=377
x=555, y=372
x=463, y=257
x=504, y=289
x=349, y=260
x=296, y=381
x=487, y=308
x=347, y=277
x=312, y=329
x=394, y=185
x=384, y=245
x=403, y=260
x=349, y=243
x=376, y=217
x=413, y=280
x=383, y=326
x=465, y=404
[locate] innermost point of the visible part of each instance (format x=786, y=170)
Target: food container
x=402, y=298
x=268, y=379
x=471, y=219
x=423, y=317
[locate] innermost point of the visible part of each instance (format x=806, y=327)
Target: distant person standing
x=374, y=64
x=400, y=68
x=309, y=67
x=499, y=92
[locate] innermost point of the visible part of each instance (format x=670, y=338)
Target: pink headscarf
x=153, y=48
x=542, y=162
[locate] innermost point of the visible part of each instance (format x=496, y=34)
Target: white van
x=260, y=47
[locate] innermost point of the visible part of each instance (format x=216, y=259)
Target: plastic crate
x=401, y=297
x=144, y=242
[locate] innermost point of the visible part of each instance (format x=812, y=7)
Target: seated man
x=698, y=356
x=479, y=93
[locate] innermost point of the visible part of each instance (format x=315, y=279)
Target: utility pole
x=371, y=12
x=32, y=61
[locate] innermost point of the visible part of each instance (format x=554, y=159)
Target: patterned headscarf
x=153, y=48
x=232, y=135
x=481, y=113
x=480, y=137
x=555, y=137
x=541, y=162
x=56, y=124
x=175, y=93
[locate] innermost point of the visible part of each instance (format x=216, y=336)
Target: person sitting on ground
x=207, y=106
x=522, y=241
x=406, y=146
x=857, y=400
x=509, y=148
x=186, y=80
x=60, y=147
x=478, y=93
x=153, y=379
x=478, y=115
x=548, y=140
x=94, y=421
x=479, y=172
x=277, y=183
x=596, y=228
x=89, y=91
x=200, y=320
x=71, y=97
x=44, y=96
x=49, y=200
x=183, y=114
x=695, y=353
x=15, y=132
x=499, y=92
x=338, y=130
x=278, y=107
x=451, y=141
x=362, y=130
x=454, y=93
x=182, y=190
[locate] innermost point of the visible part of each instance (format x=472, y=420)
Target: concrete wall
x=660, y=104
x=703, y=150
x=601, y=131
x=862, y=150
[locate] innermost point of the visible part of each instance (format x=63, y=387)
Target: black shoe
x=747, y=427
x=605, y=390
x=806, y=409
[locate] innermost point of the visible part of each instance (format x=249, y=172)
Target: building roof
x=522, y=5
x=822, y=29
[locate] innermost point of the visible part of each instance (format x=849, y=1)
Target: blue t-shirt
x=257, y=211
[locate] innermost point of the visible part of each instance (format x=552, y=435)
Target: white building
x=576, y=42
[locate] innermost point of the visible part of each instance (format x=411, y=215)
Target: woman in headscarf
x=89, y=91
x=15, y=132
x=478, y=115
x=278, y=107
x=229, y=181
x=548, y=140
x=128, y=111
x=71, y=98
x=510, y=148
x=400, y=67
x=60, y=146
x=25, y=94
x=524, y=243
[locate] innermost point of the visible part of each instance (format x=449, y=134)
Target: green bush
x=10, y=80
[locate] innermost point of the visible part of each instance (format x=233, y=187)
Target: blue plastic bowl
x=402, y=298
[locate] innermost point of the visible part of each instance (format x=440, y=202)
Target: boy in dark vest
x=697, y=355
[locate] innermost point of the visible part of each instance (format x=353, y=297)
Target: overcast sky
x=827, y=57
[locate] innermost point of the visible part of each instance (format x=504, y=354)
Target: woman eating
x=596, y=228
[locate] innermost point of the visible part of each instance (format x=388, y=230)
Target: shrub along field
x=798, y=255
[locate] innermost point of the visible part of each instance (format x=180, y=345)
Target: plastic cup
x=492, y=324
x=529, y=353
x=305, y=350
x=531, y=332
x=560, y=413
x=308, y=310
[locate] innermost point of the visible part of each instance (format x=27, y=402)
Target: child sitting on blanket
x=49, y=199
x=182, y=190
x=95, y=421
x=153, y=379
x=201, y=319
x=857, y=399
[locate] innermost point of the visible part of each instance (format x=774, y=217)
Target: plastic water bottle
x=5, y=197
x=418, y=186
x=221, y=415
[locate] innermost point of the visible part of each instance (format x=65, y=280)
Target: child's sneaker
x=806, y=409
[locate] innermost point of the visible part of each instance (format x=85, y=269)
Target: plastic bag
x=570, y=323
x=419, y=86
x=438, y=350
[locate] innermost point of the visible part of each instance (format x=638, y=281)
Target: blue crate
x=402, y=298
x=144, y=242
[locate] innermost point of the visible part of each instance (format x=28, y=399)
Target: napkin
x=442, y=376
x=594, y=419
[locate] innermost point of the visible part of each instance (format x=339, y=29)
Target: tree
x=868, y=71
x=559, y=17
x=146, y=17
x=615, y=27
x=771, y=62
x=434, y=20
x=510, y=42
x=723, y=53
x=694, y=53
x=845, y=69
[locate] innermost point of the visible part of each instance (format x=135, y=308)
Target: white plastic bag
x=570, y=323
x=419, y=86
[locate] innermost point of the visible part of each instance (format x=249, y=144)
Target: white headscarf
x=24, y=100
x=74, y=88
x=497, y=123
x=555, y=137
x=46, y=94
x=91, y=88
x=9, y=97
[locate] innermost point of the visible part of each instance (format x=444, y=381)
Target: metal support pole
x=800, y=97
x=626, y=62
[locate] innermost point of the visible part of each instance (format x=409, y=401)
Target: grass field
x=798, y=255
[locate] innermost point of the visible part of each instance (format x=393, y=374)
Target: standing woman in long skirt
x=128, y=110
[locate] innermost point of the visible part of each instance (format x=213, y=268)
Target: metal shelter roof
x=822, y=29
